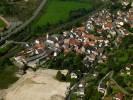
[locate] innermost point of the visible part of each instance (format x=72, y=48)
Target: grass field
x=59, y=10
x=2, y=24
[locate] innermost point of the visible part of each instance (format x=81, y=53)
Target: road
x=110, y=75
x=121, y=88
x=61, y=27
x=26, y=23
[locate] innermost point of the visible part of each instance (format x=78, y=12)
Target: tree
x=60, y=76
x=127, y=41
x=68, y=77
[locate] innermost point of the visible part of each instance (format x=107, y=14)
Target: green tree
x=60, y=76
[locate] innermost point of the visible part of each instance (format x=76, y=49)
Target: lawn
x=58, y=10
x=2, y=24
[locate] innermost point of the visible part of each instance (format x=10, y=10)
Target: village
x=81, y=40
x=102, y=31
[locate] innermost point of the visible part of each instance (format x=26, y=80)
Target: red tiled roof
x=82, y=29
x=86, y=44
x=73, y=41
x=99, y=30
x=93, y=56
x=131, y=25
x=66, y=41
x=109, y=25
x=39, y=46
x=79, y=30
x=120, y=96
x=130, y=65
x=130, y=18
x=89, y=36
x=66, y=50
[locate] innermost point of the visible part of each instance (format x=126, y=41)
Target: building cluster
x=47, y=47
x=77, y=40
x=111, y=25
x=90, y=40
x=127, y=70
x=81, y=40
x=108, y=82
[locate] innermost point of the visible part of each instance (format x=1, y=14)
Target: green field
x=58, y=10
x=2, y=24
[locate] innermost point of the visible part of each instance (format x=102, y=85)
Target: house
x=128, y=69
x=49, y=42
x=100, y=61
x=89, y=25
x=119, y=23
x=87, y=44
x=81, y=29
x=125, y=2
x=112, y=32
x=92, y=57
x=102, y=88
x=18, y=61
x=119, y=96
x=74, y=42
x=83, y=49
x=81, y=89
x=74, y=76
x=65, y=33
x=38, y=47
x=33, y=64
x=55, y=54
x=107, y=26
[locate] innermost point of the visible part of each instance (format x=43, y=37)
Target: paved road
x=71, y=23
x=121, y=88
x=110, y=75
x=15, y=31
x=11, y=28
x=75, y=86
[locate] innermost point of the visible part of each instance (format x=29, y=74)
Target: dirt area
x=40, y=85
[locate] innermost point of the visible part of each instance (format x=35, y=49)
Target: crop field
x=58, y=10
